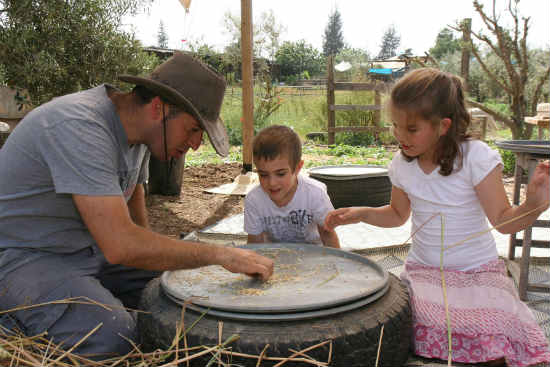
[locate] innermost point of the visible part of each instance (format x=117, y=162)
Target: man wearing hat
x=73, y=223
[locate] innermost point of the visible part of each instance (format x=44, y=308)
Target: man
x=73, y=221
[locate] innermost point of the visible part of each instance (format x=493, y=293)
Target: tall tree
x=518, y=66
x=271, y=32
x=266, y=33
x=333, y=39
x=390, y=43
x=162, y=37
x=67, y=45
x=296, y=57
x=445, y=44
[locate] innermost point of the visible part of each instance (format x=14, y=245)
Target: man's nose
x=196, y=140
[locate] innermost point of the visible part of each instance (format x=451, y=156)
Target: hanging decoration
x=186, y=4
x=186, y=21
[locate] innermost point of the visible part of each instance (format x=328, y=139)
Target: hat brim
x=217, y=134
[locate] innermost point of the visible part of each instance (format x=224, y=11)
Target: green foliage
x=218, y=61
x=355, y=139
x=345, y=154
x=509, y=161
x=445, y=44
x=333, y=39
x=296, y=57
x=206, y=154
x=55, y=47
x=390, y=43
x=268, y=100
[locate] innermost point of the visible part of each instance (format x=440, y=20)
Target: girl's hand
x=538, y=190
x=342, y=216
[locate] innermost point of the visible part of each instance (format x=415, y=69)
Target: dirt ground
x=195, y=209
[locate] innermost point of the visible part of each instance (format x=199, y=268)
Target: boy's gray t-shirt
x=74, y=144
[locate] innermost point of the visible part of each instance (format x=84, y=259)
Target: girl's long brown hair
x=434, y=95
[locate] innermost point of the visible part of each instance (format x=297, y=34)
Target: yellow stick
x=444, y=288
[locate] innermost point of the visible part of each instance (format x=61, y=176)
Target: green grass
x=313, y=156
x=308, y=113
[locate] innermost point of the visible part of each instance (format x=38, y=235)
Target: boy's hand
x=238, y=260
x=342, y=216
x=538, y=190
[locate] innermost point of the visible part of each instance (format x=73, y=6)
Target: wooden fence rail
x=354, y=126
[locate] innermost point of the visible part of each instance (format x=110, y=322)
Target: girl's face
x=277, y=179
x=416, y=136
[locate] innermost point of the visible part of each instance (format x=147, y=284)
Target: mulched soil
x=195, y=209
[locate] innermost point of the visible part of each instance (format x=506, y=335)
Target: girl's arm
x=492, y=196
x=329, y=237
x=393, y=215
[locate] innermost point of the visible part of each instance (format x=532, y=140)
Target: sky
x=364, y=22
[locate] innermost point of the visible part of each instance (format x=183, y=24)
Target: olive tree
x=519, y=72
x=55, y=47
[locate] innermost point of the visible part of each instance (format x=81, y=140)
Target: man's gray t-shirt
x=74, y=144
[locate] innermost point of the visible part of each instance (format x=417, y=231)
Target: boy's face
x=277, y=178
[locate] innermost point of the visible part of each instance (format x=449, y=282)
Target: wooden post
x=330, y=99
x=247, y=83
x=484, y=127
x=377, y=102
x=466, y=39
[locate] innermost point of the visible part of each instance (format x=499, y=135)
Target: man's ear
x=444, y=126
x=156, y=108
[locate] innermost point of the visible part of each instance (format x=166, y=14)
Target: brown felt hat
x=185, y=81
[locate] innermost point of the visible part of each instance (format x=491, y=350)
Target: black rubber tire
x=369, y=191
x=355, y=334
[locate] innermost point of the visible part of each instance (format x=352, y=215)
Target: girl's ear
x=444, y=126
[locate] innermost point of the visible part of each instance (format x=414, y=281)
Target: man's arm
x=124, y=242
x=137, y=208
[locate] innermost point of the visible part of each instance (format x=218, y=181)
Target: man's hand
x=238, y=260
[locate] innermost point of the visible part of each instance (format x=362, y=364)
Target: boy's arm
x=329, y=237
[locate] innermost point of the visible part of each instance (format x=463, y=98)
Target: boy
x=286, y=206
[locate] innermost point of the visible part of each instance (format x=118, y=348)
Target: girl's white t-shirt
x=295, y=222
x=455, y=198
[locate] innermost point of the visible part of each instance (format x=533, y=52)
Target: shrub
x=509, y=161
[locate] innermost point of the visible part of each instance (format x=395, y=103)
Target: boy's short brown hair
x=276, y=140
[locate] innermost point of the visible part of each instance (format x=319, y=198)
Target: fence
x=354, y=126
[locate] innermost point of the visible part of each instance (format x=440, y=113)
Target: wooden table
x=542, y=124
x=528, y=153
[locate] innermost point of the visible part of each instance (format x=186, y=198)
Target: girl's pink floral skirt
x=488, y=320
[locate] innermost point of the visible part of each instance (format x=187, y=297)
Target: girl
x=451, y=184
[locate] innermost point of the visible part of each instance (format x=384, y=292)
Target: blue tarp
x=381, y=71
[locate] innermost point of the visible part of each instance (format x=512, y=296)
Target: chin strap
x=169, y=163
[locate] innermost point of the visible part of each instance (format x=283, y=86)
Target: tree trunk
x=159, y=183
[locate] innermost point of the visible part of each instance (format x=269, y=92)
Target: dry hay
x=19, y=350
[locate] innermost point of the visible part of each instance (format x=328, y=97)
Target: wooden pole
x=247, y=83
x=466, y=40
x=330, y=99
